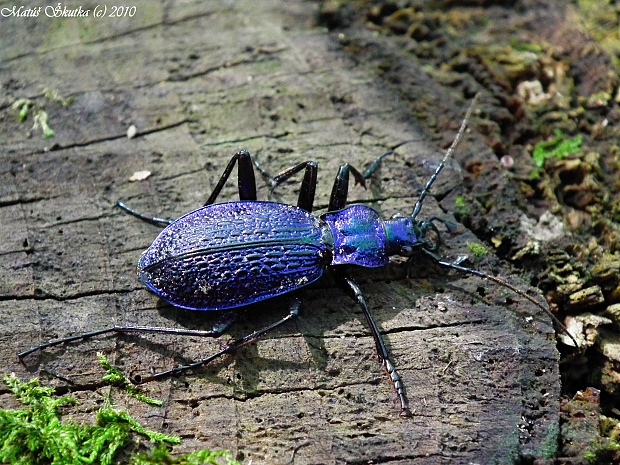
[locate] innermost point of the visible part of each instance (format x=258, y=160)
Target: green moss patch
x=37, y=434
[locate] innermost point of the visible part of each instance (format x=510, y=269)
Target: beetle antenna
x=502, y=282
x=449, y=152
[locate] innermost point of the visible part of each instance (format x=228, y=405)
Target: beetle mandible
x=229, y=255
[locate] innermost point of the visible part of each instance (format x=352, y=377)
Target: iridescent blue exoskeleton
x=229, y=255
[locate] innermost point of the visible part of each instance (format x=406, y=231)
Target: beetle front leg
x=353, y=290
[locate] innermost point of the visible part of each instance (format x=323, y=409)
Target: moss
x=549, y=448
x=23, y=106
x=461, y=207
x=41, y=120
x=53, y=96
x=38, y=435
x=478, y=250
x=590, y=457
x=161, y=455
x=116, y=378
x=520, y=46
x=604, y=451
x=26, y=107
x=557, y=148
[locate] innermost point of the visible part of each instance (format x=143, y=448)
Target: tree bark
x=201, y=80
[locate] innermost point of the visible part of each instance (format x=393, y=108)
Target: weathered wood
x=201, y=80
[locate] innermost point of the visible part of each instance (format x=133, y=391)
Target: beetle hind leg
x=218, y=329
x=246, y=185
x=249, y=339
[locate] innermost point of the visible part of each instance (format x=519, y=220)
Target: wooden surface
x=200, y=80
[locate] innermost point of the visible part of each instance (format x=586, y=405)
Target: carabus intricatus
x=229, y=255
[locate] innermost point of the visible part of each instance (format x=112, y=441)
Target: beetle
x=228, y=255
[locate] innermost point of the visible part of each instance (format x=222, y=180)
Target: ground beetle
x=229, y=255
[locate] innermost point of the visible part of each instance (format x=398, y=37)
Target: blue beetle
x=229, y=255
x=233, y=254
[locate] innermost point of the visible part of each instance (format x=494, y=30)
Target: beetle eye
x=406, y=251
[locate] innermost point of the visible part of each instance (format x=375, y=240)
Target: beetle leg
x=340, y=191
x=375, y=164
x=246, y=180
x=148, y=219
x=120, y=329
x=249, y=339
x=308, y=185
x=353, y=290
x=338, y=198
x=218, y=329
x=228, y=319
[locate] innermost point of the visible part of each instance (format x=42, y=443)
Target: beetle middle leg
x=305, y=200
